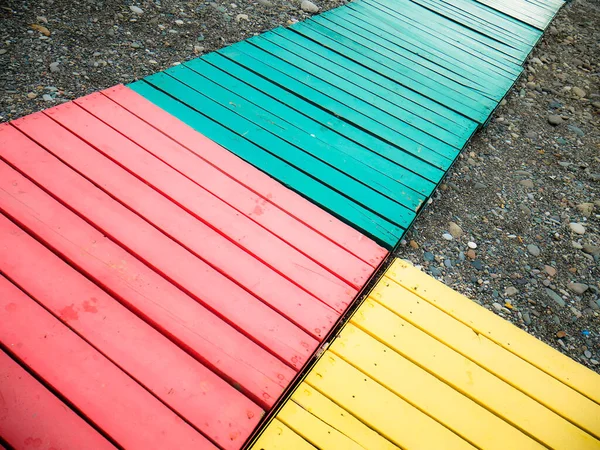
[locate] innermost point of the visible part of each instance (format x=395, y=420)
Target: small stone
x=309, y=6
x=240, y=17
x=527, y=183
x=413, y=244
x=477, y=264
x=511, y=291
x=47, y=98
x=586, y=209
x=136, y=10
x=136, y=45
x=578, y=131
x=54, y=67
x=198, y=49
x=179, y=22
x=447, y=263
x=42, y=29
x=31, y=95
x=554, y=296
x=447, y=236
x=455, y=230
x=3, y=51
x=577, y=228
x=265, y=3
x=527, y=318
x=478, y=186
x=578, y=288
x=554, y=104
x=587, y=354
x=561, y=334
x=471, y=254
x=533, y=250
x=555, y=120
x=472, y=245
x=594, y=362
x=497, y=306
x=590, y=249
x=531, y=85
x=551, y=271
x=578, y=92
x=428, y=256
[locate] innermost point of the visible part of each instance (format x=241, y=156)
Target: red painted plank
x=258, y=209
x=202, y=334
x=32, y=417
x=216, y=292
x=209, y=404
x=263, y=185
x=286, y=298
x=103, y=393
x=241, y=231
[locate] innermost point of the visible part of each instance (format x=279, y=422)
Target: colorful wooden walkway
x=420, y=366
x=173, y=254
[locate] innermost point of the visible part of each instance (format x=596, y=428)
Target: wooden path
x=419, y=366
x=176, y=253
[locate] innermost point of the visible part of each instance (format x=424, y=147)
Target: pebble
x=447, y=263
x=3, y=51
x=554, y=296
x=555, y=120
x=472, y=245
x=477, y=264
x=587, y=354
x=54, y=67
x=578, y=131
x=240, y=17
x=533, y=249
x=550, y=270
x=136, y=45
x=577, y=228
x=428, y=256
x=47, y=98
x=497, y=306
x=586, y=209
x=32, y=95
x=578, y=288
x=455, y=230
x=561, y=334
x=179, y=22
x=527, y=183
x=511, y=291
x=590, y=249
x=136, y=10
x=413, y=244
x=265, y=3
x=309, y=6
x=447, y=236
x=578, y=92
x=471, y=254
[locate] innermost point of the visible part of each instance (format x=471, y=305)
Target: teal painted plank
x=417, y=128
x=479, y=89
x=439, y=41
x=474, y=70
x=358, y=174
x=534, y=13
x=425, y=109
x=305, y=85
x=304, y=124
x=380, y=229
x=348, y=133
x=360, y=99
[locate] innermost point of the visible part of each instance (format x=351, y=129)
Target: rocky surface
x=52, y=51
x=515, y=225
x=526, y=191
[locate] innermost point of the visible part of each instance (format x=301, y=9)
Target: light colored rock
x=533, y=250
x=511, y=291
x=54, y=67
x=179, y=22
x=590, y=249
x=447, y=236
x=241, y=17
x=472, y=245
x=554, y=296
x=455, y=230
x=550, y=270
x=527, y=183
x=555, y=120
x=586, y=209
x=578, y=92
x=309, y=6
x=577, y=228
x=578, y=288
x=136, y=10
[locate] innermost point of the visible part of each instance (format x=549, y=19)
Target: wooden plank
x=277, y=436
x=470, y=379
x=519, y=373
x=362, y=195
x=378, y=407
x=245, y=312
x=497, y=329
x=312, y=429
x=280, y=122
x=205, y=336
x=296, y=206
x=259, y=209
x=276, y=264
x=91, y=383
x=466, y=418
x=32, y=417
x=317, y=404
x=373, y=226
x=348, y=132
x=209, y=404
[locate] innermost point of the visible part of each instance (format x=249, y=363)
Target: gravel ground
x=525, y=193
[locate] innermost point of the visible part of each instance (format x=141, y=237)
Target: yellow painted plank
x=470, y=379
x=314, y=430
x=424, y=391
x=544, y=388
x=340, y=419
x=379, y=408
x=497, y=329
x=277, y=436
